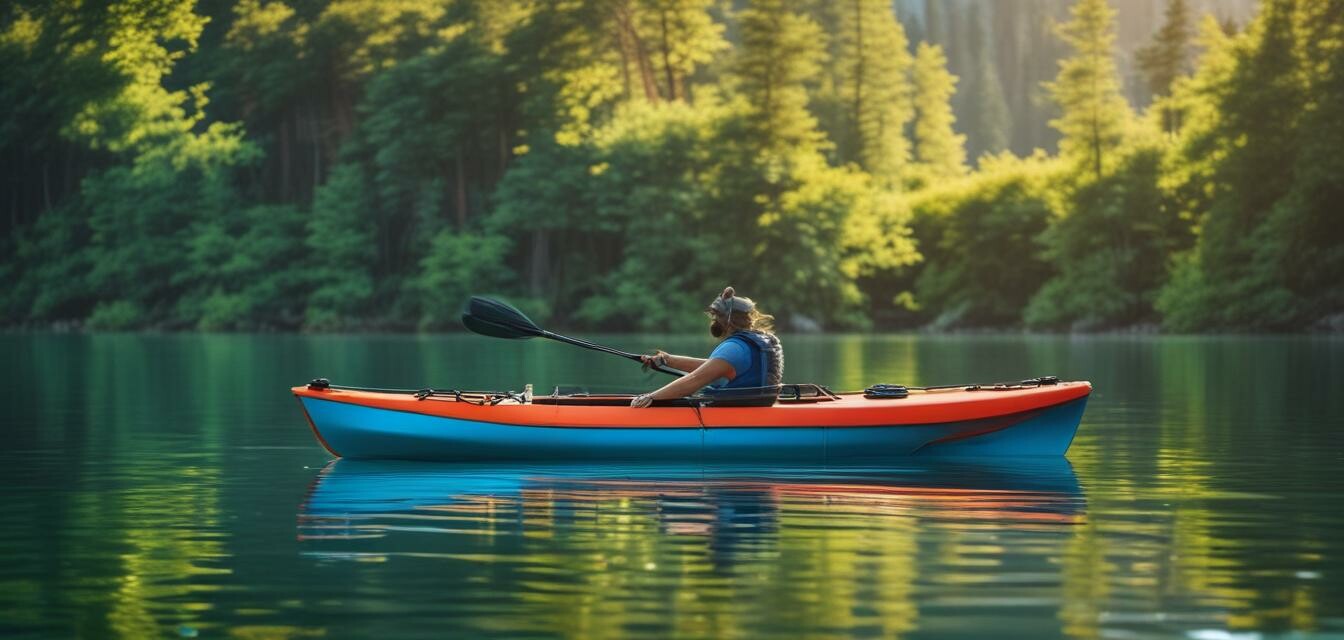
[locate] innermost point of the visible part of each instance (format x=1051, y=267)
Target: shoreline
x=1333, y=329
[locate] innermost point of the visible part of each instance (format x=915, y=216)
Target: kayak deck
x=974, y=421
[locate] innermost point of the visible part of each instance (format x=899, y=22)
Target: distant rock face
x=1014, y=39
x=1330, y=324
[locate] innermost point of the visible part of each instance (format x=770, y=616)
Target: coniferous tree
x=1168, y=58
x=341, y=238
x=1303, y=239
x=684, y=37
x=265, y=81
x=779, y=54
x=568, y=59
x=1094, y=115
x=1109, y=246
x=989, y=118
x=445, y=96
x=940, y=151
x=1189, y=167
x=772, y=184
x=872, y=66
x=1260, y=111
x=1115, y=228
x=56, y=62
x=173, y=177
x=1260, y=103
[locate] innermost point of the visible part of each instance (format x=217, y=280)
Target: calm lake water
x=168, y=486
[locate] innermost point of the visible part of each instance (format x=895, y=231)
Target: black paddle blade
x=496, y=319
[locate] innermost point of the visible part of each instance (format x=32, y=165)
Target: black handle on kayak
x=496, y=319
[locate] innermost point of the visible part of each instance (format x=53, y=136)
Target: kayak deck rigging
x=793, y=393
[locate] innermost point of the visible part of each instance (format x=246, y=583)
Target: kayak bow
x=1015, y=420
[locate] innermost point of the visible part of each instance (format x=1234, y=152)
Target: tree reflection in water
x=735, y=547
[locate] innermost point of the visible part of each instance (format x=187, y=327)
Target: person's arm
x=708, y=372
x=680, y=363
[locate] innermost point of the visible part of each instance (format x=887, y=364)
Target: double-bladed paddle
x=490, y=317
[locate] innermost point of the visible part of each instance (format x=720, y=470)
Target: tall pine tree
x=778, y=55
x=872, y=66
x=1094, y=114
x=1305, y=232
x=940, y=151
x=1259, y=102
x=683, y=36
x=1261, y=109
x=1168, y=58
x=987, y=131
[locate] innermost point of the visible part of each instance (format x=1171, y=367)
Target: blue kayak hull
x=363, y=432
x=379, y=487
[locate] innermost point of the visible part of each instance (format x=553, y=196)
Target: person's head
x=730, y=312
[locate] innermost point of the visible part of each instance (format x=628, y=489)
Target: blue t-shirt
x=736, y=354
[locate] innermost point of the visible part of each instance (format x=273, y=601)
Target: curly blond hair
x=751, y=319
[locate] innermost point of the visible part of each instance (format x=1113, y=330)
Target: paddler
x=748, y=354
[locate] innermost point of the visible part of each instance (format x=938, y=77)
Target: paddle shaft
x=605, y=349
x=499, y=320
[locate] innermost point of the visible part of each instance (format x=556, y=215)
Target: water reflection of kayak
x=352, y=499
x=1033, y=418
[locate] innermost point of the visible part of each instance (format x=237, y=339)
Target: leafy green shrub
x=979, y=239
x=1109, y=248
x=118, y=315
x=457, y=266
x=340, y=241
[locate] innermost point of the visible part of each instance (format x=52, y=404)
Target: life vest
x=767, y=361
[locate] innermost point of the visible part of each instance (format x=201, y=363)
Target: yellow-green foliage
x=1093, y=115
x=611, y=163
x=1268, y=253
x=865, y=94
x=940, y=152
x=1109, y=247
x=779, y=54
x=979, y=239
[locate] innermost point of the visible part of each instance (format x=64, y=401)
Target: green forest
x=612, y=164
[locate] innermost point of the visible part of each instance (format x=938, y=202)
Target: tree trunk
x=461, y=180
x=624, y=47
x=317, y=149
x=343, y=112
x=672, y=93
x=13, y=209
x=632, y=46
x=854, y=154
x=645, y=68
x=285, y=158
x=1096, y=145
x=68, y=179
x=46, y=185
x=540, y=262
x=502, y=131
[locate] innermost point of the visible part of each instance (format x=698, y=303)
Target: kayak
x=1037, y=417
